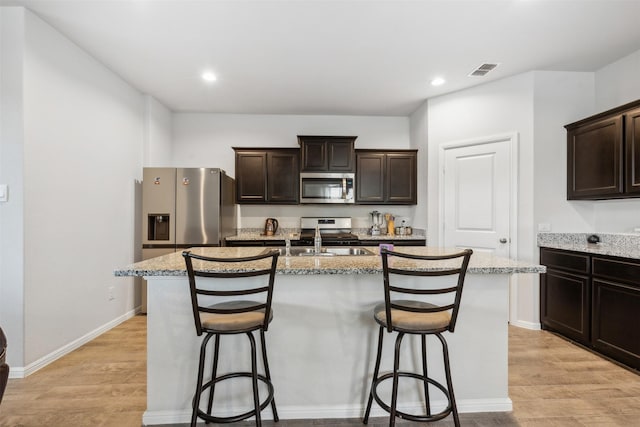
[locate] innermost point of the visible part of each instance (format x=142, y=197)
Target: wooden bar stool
x=417, y=317
x=231, y=314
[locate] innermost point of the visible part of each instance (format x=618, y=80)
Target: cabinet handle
x=503, y=240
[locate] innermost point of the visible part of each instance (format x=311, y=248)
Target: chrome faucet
x=287, y=243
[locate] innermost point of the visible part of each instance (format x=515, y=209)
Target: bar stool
x=231, y=314
x=4, y=368
x=416, y=317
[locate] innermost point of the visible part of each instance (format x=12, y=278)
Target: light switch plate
x=4, y=192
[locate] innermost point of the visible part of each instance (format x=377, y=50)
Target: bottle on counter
x=317, y=241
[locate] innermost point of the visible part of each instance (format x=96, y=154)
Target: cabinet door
x=616, y=308
x=632, y=146
x=340, y=156
x=251, y=176
x=314, y=156
x=370, y=173
x=616, y=320
x=283, y=176
x=594, y=159
x=401, y=178
x=565, y=304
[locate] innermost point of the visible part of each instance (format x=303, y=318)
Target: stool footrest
x=234, y=418
x=427, y=418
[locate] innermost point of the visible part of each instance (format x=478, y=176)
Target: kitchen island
x=322, y=340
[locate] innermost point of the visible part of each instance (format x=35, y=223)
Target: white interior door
x=477, y=191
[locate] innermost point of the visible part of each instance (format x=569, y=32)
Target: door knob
x=503, y=240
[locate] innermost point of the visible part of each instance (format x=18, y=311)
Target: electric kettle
x=270, y=226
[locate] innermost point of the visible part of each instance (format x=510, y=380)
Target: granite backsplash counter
x=294, y=234
x=625, y=245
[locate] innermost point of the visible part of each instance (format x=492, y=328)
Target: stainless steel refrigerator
x=183, y=208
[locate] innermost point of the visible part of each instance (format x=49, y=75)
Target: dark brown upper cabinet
x=632, y=144
x=386, y=177
x=267, y=175
x=327, y=153
x=603, y=155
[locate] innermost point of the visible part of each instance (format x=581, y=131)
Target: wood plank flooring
x=552, y=383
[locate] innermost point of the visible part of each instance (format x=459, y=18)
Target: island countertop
x=173, y=264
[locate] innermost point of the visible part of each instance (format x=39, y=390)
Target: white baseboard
x=24, y=371
x=337, y=411
x=534, y=326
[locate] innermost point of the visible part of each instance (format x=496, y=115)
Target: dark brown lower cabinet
x=616, y=309
x=565, y=304
x=594, y=300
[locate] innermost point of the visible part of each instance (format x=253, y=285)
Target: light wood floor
x=552, y=383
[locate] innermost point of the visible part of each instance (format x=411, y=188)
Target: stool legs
x=394, y=389
x=196, y=397
x=268, y=373
x=392, y=409
x=214, y=371
x=376, y=370
x=254, y=378
x=447, y=371
x=424, y=372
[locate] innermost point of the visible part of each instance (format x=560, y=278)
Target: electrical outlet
x=544, y=226
x=111, y=296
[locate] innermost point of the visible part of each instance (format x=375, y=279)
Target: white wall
x=617, y=84
x=83, y=134
x=201, y=139
x=11, y=173
x=419, y=131
x=157, y=133
x=559, y=98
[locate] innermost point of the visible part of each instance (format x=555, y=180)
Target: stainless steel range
x=335, y=231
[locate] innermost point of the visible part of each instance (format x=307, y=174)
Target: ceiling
x=335, y=57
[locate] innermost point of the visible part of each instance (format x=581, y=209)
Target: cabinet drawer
x=564, y=260
x=618, y=270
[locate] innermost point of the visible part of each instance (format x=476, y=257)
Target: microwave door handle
x=344, y=188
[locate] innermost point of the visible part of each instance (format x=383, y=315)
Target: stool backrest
x=4, y=368
x=451, y=264
x=199, y=266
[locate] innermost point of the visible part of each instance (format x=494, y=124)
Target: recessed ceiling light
x=438, y=81
x=209, y=77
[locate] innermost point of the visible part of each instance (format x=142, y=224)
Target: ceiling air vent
x=482, y=70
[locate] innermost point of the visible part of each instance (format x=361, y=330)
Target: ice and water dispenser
x=158, y=227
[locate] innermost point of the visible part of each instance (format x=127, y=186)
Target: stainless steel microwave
x=327, y=187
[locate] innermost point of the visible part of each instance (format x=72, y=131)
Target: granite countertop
x=173, y=264
x=257, y=235
x=624, y=245
x=414, y=236
x=254, y=235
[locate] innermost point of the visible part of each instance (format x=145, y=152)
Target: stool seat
x=411, y=320
x=233, y=322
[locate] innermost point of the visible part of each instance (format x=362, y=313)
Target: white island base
x=321, y=347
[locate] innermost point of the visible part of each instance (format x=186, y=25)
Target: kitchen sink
x=328, y=251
